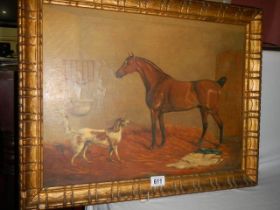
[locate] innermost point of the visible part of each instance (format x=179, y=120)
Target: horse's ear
x=131, y=54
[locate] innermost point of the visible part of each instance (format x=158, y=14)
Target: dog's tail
x=67, y=127
x=222, y=81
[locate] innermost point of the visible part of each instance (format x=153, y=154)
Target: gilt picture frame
x=114, y=95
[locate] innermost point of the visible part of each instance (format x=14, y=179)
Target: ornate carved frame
x=32, y=193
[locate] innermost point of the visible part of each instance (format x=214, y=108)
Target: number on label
x=157, y=181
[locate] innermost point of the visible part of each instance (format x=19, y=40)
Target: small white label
x=157, y=181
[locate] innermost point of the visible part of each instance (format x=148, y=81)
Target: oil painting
x=115, y=95
x=128, y=96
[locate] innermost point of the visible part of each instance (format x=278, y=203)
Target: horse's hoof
x=199, y=144
x=161, y=145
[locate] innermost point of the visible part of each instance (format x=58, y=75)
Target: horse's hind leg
x=204, y=115
x=162, y=129
x=219, y=122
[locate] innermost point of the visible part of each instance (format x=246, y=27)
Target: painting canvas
x=129, y=100
x=130, y=96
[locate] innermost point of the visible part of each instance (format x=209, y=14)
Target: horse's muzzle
x=119, y=74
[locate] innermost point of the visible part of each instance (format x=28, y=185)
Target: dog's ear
x=117, y=123
x=118, y=120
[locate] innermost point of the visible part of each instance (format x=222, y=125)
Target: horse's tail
x=222, y=81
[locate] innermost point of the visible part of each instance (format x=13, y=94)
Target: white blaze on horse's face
x=127, y=67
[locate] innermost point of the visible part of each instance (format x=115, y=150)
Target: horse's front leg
x=154, y=127
x=162, y=129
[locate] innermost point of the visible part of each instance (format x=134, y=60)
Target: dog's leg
x=84, y=154
x=116, y=153
x=78, y=150
x=111, y=153
x=111, y=150
x=74, y=157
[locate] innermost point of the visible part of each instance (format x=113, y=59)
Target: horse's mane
x=154, y=66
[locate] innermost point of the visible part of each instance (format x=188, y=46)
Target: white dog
x=107, y=138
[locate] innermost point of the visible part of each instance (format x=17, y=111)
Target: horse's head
x=127, y=67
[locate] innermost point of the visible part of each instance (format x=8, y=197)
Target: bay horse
x=165, y=94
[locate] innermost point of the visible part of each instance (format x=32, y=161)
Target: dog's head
x=123, y=122
x=120, y=122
